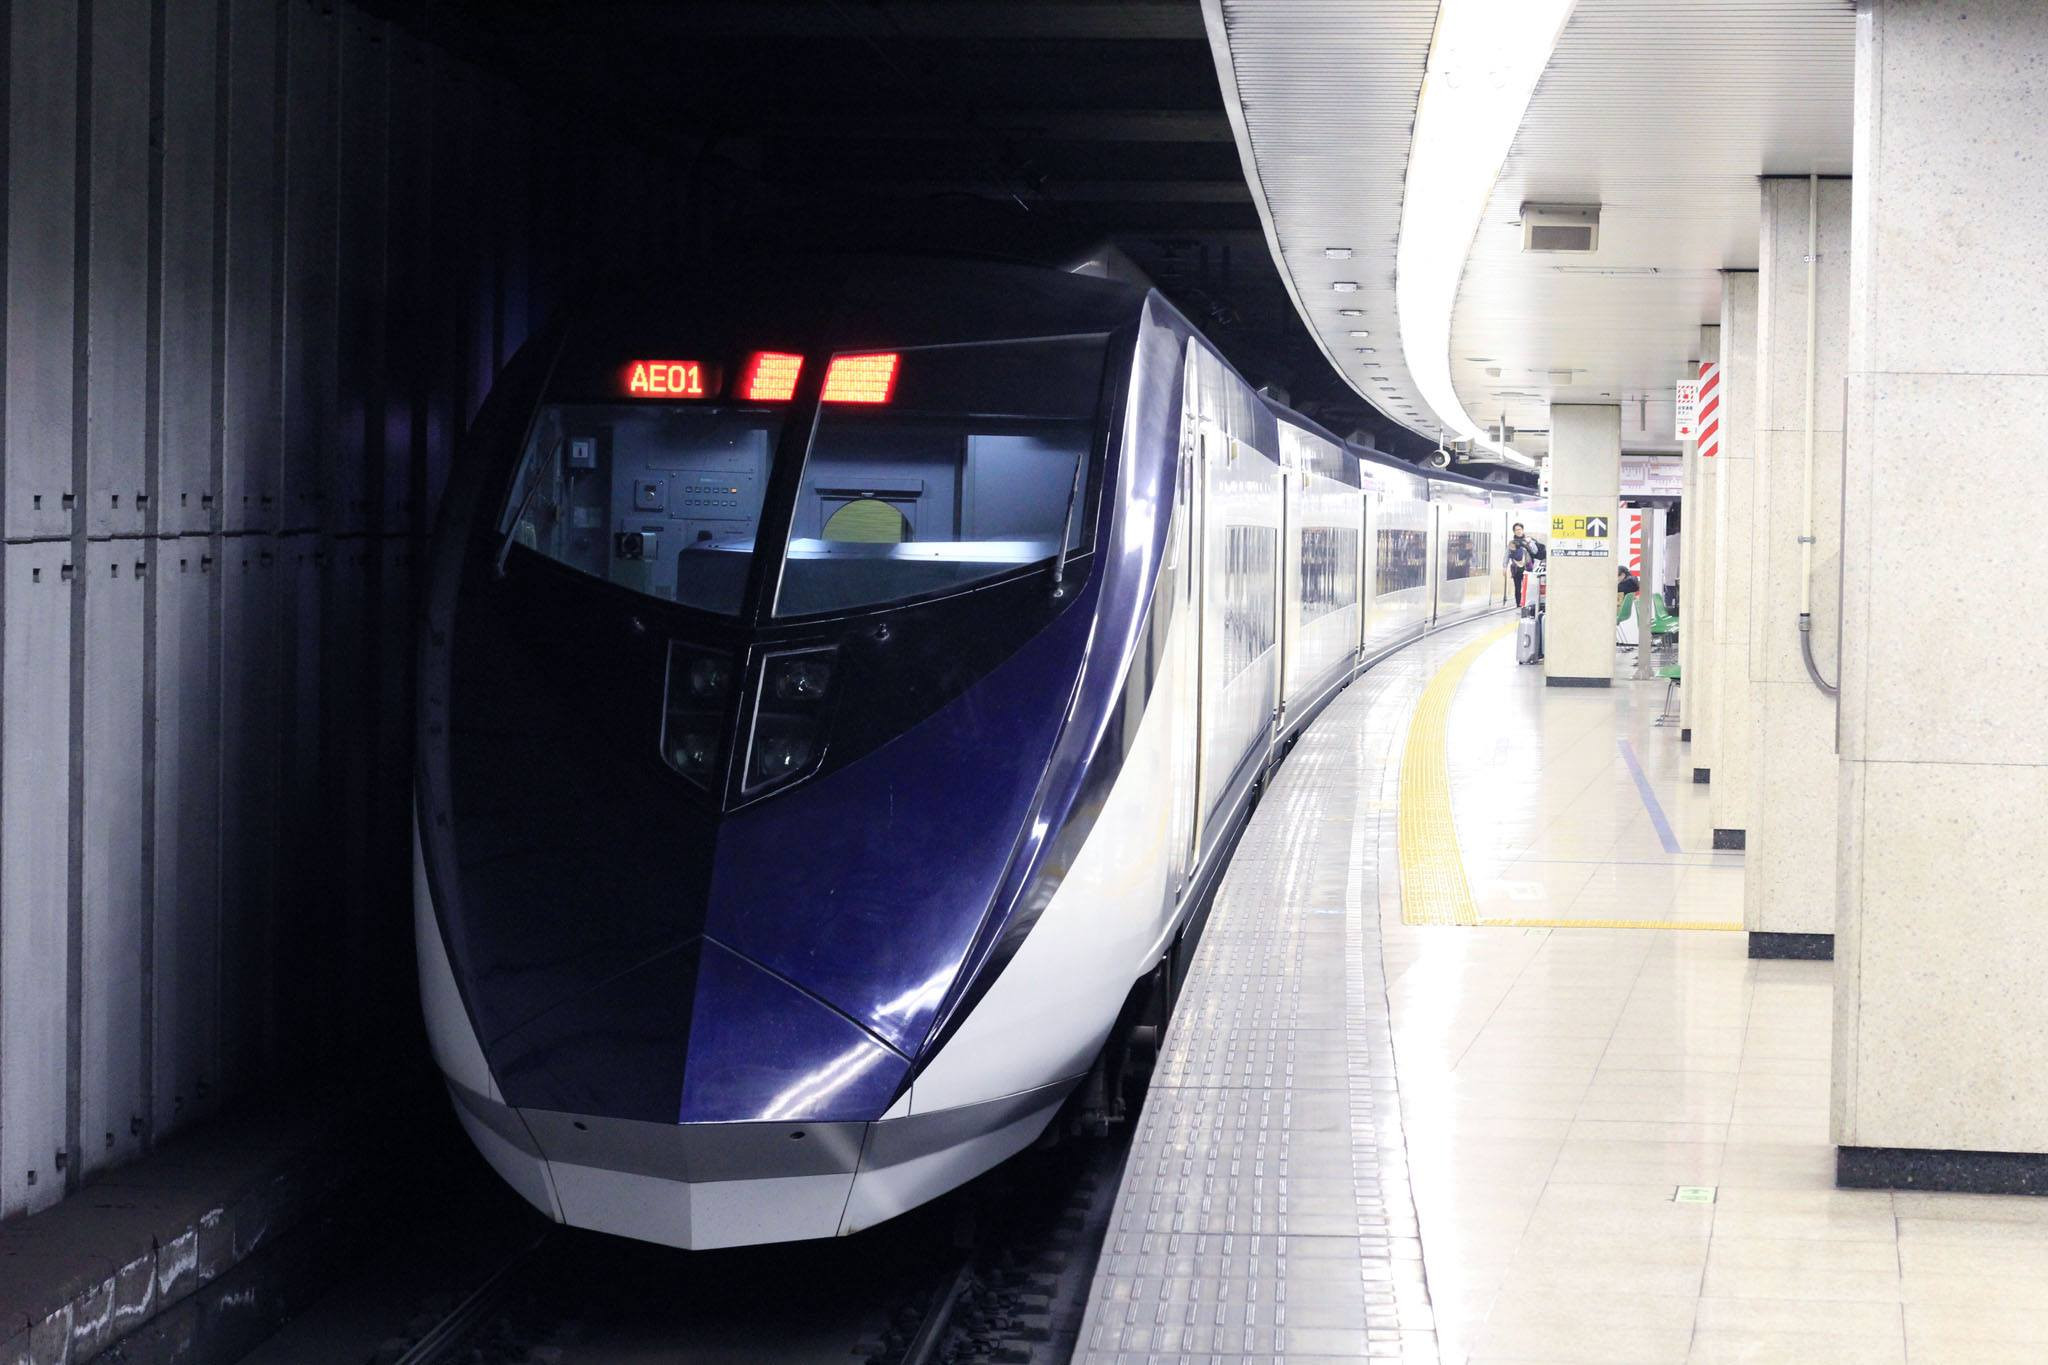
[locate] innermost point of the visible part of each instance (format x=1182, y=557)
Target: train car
x=1325, y=513
x=840, y=689
x=1469, y=561
x=1400, y=525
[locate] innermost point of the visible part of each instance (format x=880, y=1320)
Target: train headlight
x=787, y=738
x=692, y=752
x=696, y=713
x=709, y=678
x=800, y=677
x=781, y=755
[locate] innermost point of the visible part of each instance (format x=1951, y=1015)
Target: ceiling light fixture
x=1337, y=253
x=1606, y=269
x=1484, y=61
x=1345, y=286
x=1350, y=312
x=1360, y=332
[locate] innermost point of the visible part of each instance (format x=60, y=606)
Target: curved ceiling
x=1663, y=112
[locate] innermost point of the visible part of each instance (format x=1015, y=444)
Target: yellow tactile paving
x=1434, y=886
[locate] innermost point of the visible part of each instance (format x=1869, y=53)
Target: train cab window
x=979, y=461
x=663, y=499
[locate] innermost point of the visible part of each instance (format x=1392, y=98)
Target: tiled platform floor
x=1556, y=1088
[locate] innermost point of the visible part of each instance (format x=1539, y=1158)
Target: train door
x=1221, y=567
x=1433, y=564
x=1368, y=565
x=1286, y=589
x=1187, y=539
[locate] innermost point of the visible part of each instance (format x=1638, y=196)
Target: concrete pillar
x=1695, y=593
x=1941, y=1043
x=1734, y=480
x=1585, y=481
x=1789, y=873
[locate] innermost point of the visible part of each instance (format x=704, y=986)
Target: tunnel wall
x=262, y=259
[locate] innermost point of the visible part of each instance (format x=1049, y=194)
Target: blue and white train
x=839, y=693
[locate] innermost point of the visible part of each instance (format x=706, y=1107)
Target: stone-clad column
x=1941, y=965
x=1733, y=477
x=1585, y=481
x=1789, y=873
x=1695, y=533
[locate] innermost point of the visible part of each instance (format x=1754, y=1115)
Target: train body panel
x=1325, y=529
x=1238, y=563
x=1470, y=557
x=808, y=790
x=1401, y=522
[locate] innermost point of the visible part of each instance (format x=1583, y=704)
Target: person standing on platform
x=1524, y=554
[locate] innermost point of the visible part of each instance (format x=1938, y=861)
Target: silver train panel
x=1238, y=563
x=1325, y=532
x=1399, y=558
x=1467, y=562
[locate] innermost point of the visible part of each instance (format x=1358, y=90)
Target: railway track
x=997, y=1271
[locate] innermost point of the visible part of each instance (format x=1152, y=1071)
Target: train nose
x=700, y=1035
x=761, y=1050
x=697, y=1100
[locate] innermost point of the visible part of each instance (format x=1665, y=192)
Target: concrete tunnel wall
x=261, y=261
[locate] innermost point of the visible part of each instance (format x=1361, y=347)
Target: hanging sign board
x=1580, y=537
x=1688, y=409
x=1651, y=476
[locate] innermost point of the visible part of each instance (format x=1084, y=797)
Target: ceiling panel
x=1664, y=112
x=1322, y=95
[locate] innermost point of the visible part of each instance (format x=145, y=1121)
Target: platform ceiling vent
x=1560, y=227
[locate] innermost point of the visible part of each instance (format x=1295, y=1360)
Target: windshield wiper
x=525, y=503
x=1059, y=561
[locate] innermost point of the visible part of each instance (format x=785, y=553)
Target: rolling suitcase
x=1529, y=637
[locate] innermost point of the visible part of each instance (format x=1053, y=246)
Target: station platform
x=1473, y=1066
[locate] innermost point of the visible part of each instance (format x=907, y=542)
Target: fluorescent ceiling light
x=1360, y=332
x=1484, y=62
x=1350, y=312
x=1345, y=286
x=1337, y=253
x=1605, y=269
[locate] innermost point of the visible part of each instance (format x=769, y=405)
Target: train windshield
x=661, y=498
x=935, y=468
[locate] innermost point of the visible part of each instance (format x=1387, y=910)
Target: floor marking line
x=1517, y=922
x=1434, y=889
x=1649, y=795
